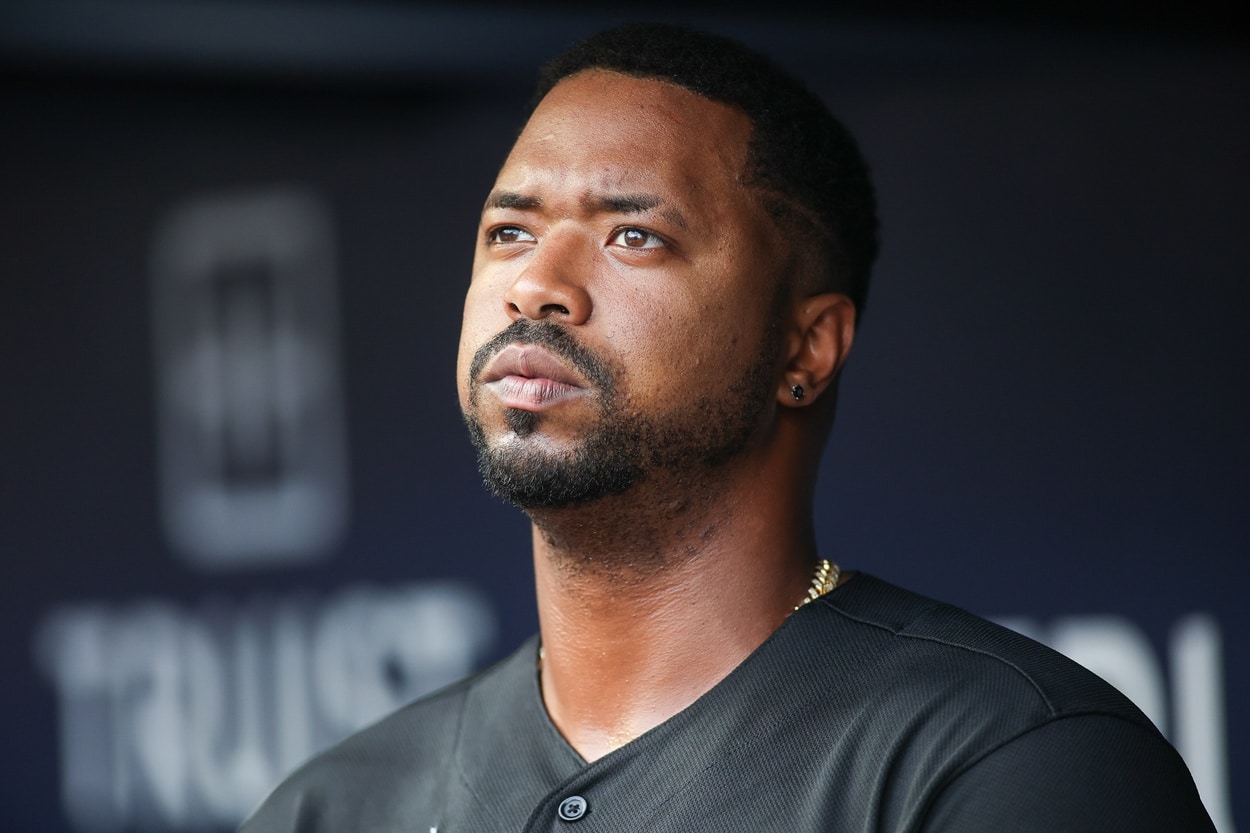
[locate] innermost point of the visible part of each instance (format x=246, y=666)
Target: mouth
x=529, y=378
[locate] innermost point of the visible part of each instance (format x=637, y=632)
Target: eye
x=509, y=234
x=636, y=238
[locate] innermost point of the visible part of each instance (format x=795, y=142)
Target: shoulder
x=975, y=711
x=388, y=770
x=1083, y=772
x=908, y=636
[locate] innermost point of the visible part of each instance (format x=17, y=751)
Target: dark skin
x=621, y=214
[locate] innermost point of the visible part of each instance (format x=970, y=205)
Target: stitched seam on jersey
x=461, y=775
x=903, y=632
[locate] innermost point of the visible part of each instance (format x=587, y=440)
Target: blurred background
x=238, y=514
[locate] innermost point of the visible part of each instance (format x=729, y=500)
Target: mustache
x=555, y=338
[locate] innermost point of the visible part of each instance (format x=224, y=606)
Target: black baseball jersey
x=871, y=709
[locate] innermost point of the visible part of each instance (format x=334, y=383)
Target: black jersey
x=871, y=709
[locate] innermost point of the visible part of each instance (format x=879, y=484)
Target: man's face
x=621, y=319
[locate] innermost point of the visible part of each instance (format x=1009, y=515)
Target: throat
x=632, y=537
x=599, y=711
x=647, y=601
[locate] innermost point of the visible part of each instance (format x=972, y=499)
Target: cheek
x=463, y=360
x=678, y=351
x=478, y=326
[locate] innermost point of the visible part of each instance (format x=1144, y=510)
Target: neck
x=646, y=601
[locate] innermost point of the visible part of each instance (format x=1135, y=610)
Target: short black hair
x=814, y=179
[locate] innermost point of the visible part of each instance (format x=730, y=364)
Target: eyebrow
x=637, y=204
x=617, y=204
x=628, y=203
x=511, y=199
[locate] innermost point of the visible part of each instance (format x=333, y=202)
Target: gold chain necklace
x=826, y=578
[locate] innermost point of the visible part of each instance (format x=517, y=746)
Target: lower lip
x=528, y=394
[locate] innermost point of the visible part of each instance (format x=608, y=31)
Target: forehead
x=603, y=130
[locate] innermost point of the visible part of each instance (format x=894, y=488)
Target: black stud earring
x=797, y=392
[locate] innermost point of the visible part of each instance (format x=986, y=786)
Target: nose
x=553, y=282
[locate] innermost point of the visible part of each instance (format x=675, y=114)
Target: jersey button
x=573, y=808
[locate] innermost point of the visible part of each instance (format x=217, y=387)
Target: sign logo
x=250, y=415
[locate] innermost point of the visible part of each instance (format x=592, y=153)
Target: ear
x=822, y=329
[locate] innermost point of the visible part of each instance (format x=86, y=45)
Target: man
x=666, y=283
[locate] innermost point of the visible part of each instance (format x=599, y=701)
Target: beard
x=622, y=448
